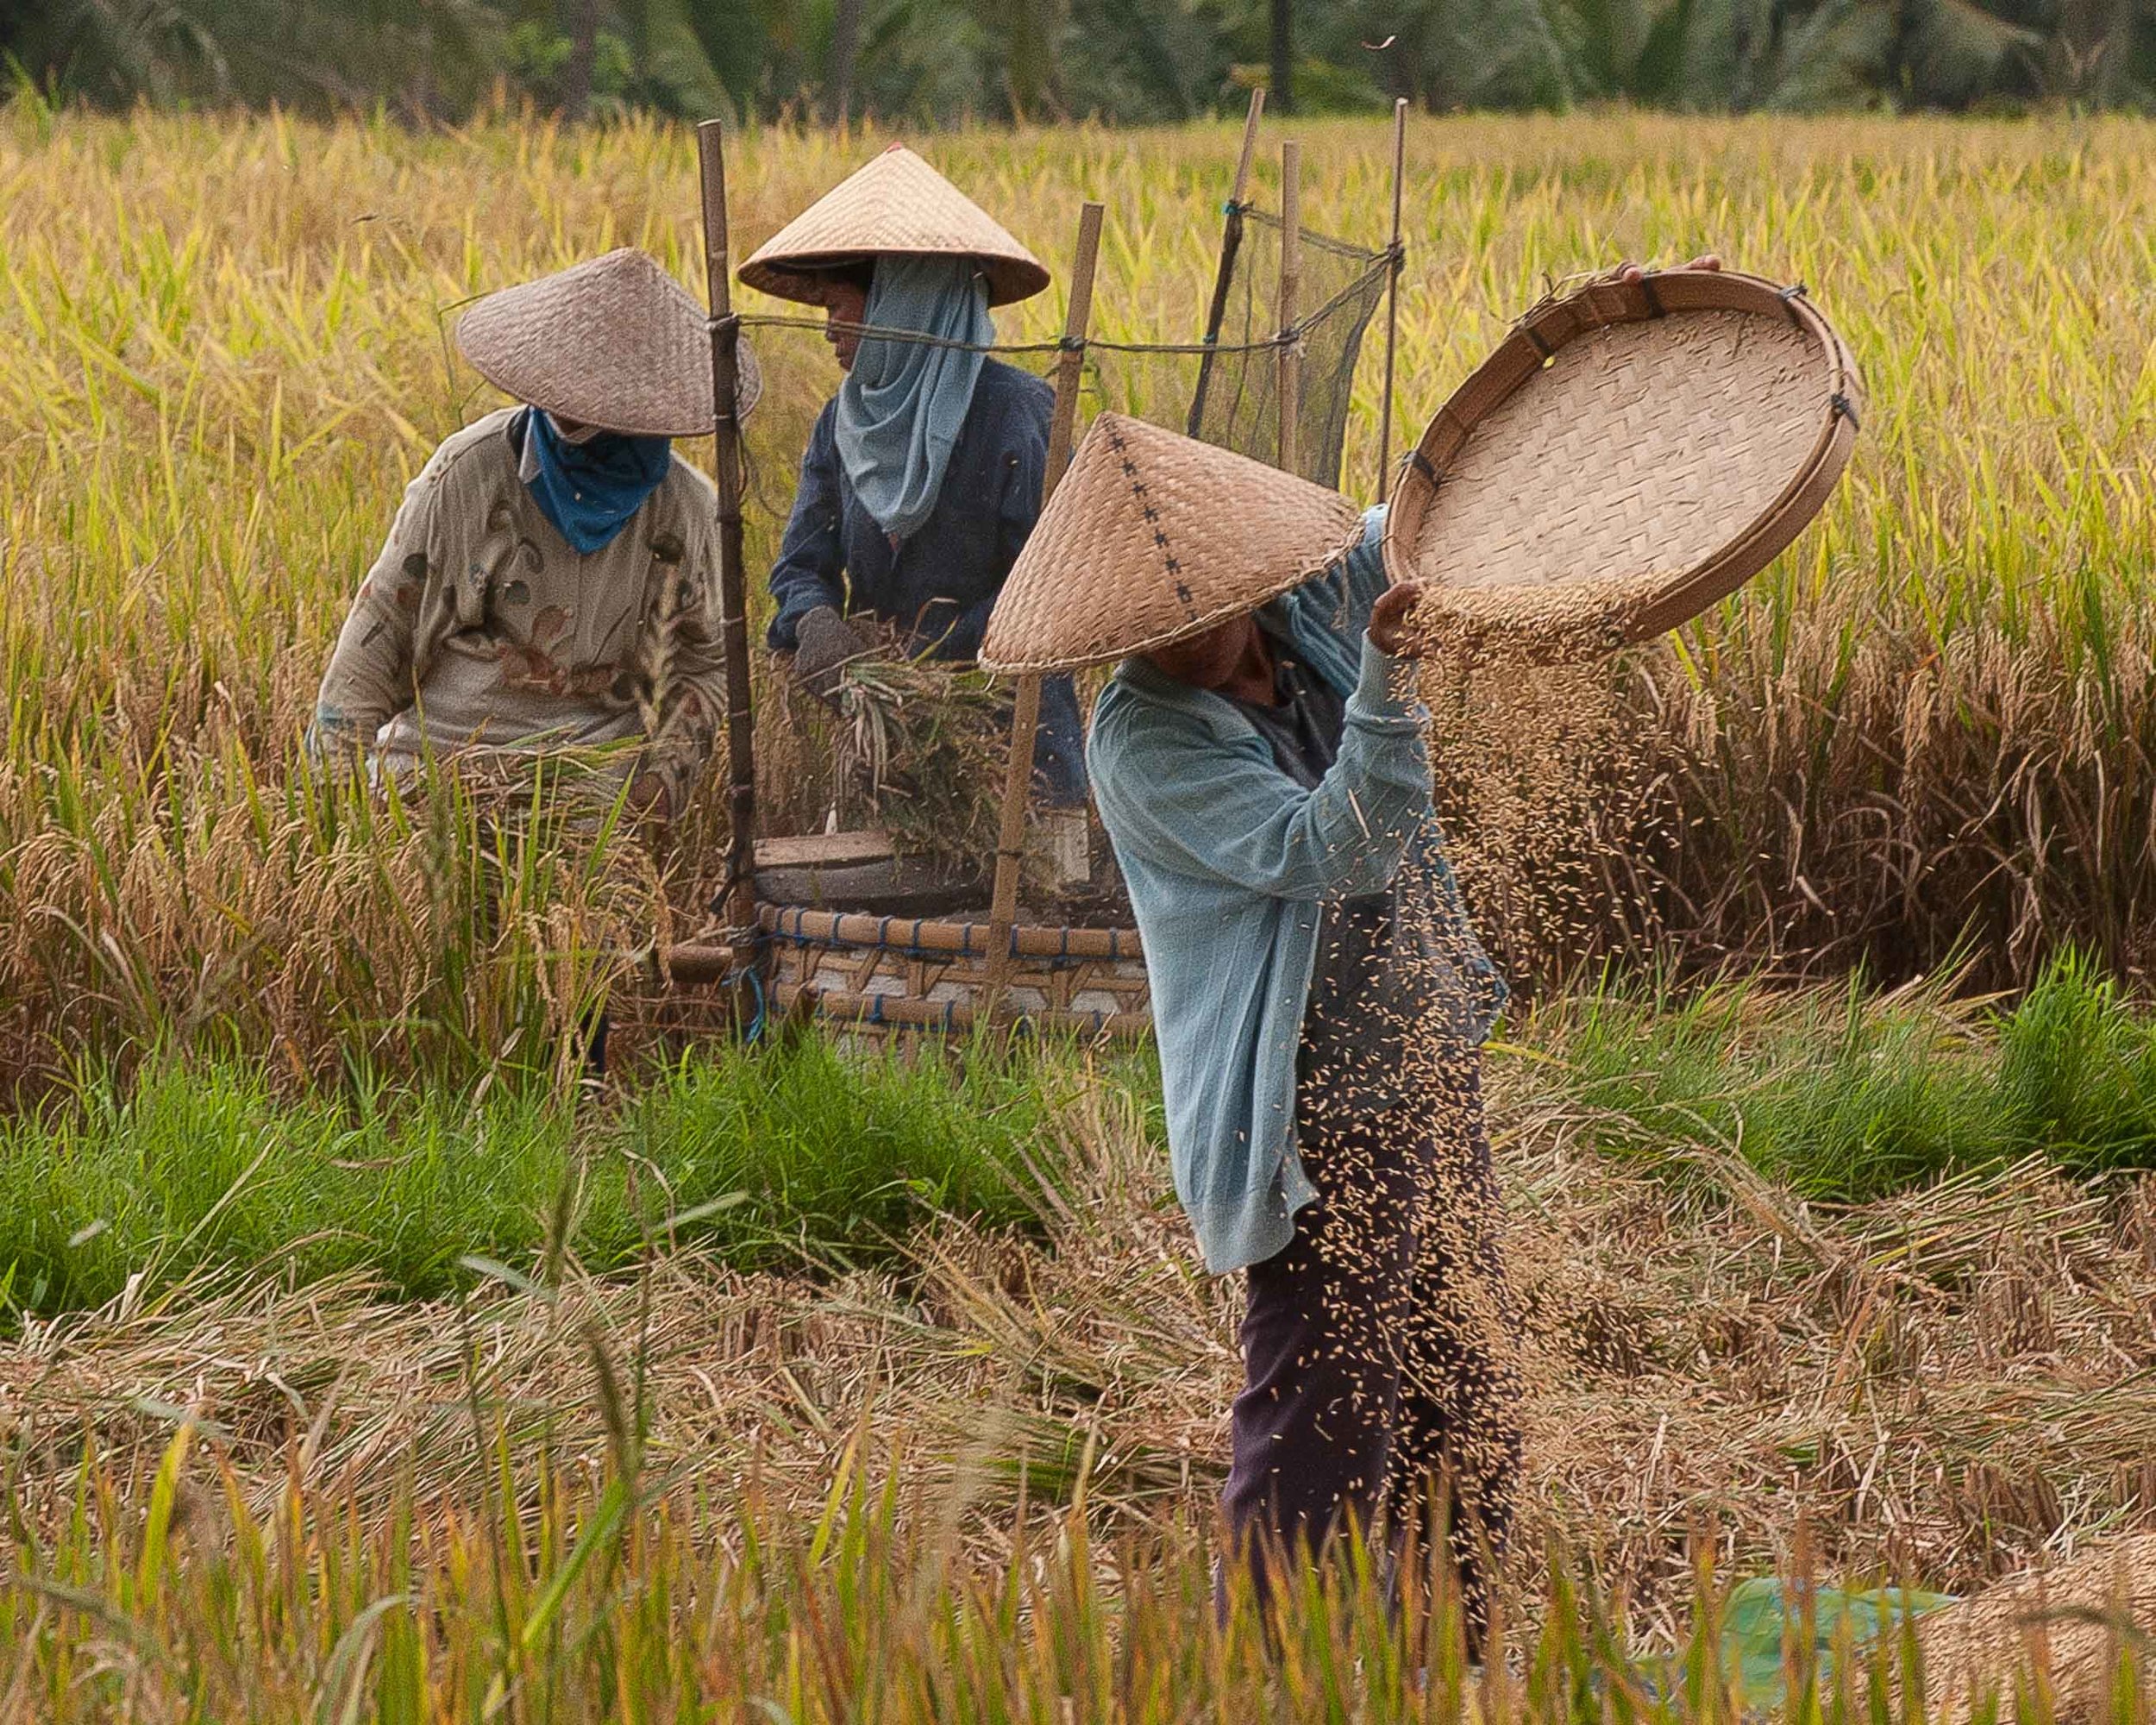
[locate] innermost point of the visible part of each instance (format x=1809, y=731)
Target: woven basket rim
x=1656, y=296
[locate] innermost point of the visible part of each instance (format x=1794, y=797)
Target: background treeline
x=1127, y=60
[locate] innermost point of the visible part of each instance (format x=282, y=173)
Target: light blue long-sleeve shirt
x=1229, y=864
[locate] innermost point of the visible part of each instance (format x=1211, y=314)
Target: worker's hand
x=1629, y=271
x=649, y=799
x=1389, y=621
x=827, y=642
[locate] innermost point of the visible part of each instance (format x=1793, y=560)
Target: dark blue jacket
x=941, y=584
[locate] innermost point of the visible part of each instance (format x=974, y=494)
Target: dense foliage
x=1120, y=59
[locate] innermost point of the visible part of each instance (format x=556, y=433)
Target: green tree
x=938, y=61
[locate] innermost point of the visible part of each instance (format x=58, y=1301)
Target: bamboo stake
x=1290, y=292
x=1231, y=244
x=1025, y=715
x=1392, y=305
x=741, y=724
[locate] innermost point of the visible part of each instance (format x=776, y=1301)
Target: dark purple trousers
x=1381, y=1379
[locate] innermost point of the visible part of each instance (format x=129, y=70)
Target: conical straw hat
x=616, y=343
x=1151, y=537
x=897, y=202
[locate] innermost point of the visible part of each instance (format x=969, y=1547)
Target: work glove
x=825, y=642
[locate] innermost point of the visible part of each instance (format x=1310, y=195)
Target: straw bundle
x=920, y=753
x=2072, y=1625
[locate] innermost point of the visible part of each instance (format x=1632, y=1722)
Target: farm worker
x=549, y=583
x=1319, y=998
x=923, y=475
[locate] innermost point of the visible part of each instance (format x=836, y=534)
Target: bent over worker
x=549, y=584
x=923, y=475
x=1258, y=760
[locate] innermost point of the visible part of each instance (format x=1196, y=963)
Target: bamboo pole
x=1231, y=244
x=741, y=724
x=1025, y=715
x=1392, y=305
x=1290, y=391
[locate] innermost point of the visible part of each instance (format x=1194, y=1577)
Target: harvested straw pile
x=2072, y=1625
x=1941, y=1387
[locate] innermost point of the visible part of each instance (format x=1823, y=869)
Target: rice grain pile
x=2073, y=1624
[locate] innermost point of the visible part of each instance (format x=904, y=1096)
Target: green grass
x=764, y=1154
x=1847, y=1096
x=757, y=1155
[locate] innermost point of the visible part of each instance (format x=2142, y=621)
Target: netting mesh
x=1219, y=382
x=1235, y=396
x=1222, y=384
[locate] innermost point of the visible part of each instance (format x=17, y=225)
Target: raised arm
x=1183, y=799
x=1341, y=598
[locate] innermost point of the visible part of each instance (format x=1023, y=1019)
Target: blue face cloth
x=589, y=490
x=902, y=404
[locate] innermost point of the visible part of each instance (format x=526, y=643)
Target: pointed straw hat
x=616, y=343
x=1151, y=537
x=897, y=203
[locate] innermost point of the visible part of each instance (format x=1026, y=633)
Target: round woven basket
x=1653, y=443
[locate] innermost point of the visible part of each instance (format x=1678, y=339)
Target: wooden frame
x=733, y=590
x=1026, y=714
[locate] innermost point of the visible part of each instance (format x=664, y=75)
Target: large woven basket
x=1651, y=443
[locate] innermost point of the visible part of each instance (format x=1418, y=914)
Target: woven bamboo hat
x=616, y=343
x=897, y=203
x=1151, y=537
x=1647, y=445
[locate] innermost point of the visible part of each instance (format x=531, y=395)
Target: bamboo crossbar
x=959, y=939
x=695, y=963
x=899, y=1012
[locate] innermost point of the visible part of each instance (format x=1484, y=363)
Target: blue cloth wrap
x=589, y=490
x=902, y=404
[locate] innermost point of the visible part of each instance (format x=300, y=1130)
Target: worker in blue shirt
x=922, y=478
x=1319, y=998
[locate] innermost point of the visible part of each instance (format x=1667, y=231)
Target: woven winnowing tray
x=1654, y=441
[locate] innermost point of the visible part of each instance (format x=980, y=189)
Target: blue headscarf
x=901, y=407
x=589, y=490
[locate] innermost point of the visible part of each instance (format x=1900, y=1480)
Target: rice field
x=358, y=1369
x=970, y=1476
x=223, y=348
